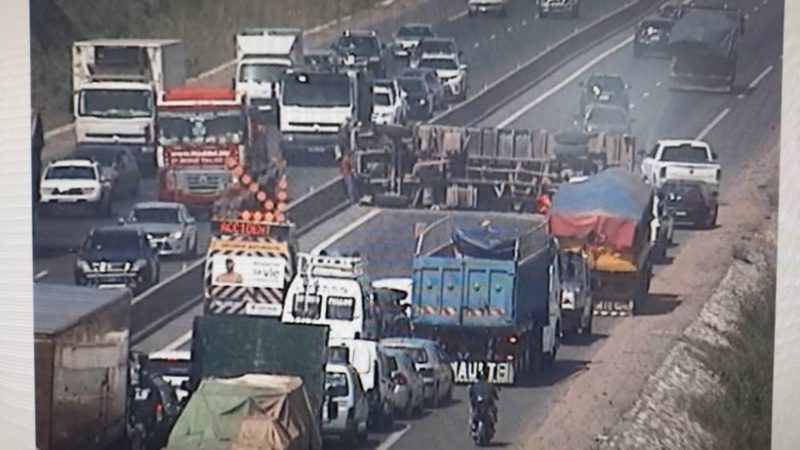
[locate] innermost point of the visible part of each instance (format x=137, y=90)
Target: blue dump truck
x=490, y=295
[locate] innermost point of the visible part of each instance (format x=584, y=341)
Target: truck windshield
x=262, y=73
x=319, y=92
x=197, y=127
x=122, y=104
x=70, y=173
x=307, y=306
x=685, y=153
x=340, y=308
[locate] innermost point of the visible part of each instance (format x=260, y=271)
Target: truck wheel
x=587, y=330
x=712, y=221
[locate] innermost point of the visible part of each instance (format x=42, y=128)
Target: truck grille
x=202, y=183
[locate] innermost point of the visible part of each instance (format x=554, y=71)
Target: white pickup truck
x=685, y=160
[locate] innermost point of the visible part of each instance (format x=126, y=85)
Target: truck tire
x=711, y=223
x=587, y=330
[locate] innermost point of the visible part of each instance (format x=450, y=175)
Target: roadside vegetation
x=207, y=27
x=738, y=411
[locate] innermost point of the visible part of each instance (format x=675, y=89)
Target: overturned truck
x=487, y=169
x=609, y=216
x=703, y=44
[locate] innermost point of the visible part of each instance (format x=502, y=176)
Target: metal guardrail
x=166, y=301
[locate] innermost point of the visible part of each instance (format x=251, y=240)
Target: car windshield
x=336, y=384
x=263, y=73
x=571, y=267
x=418, y=354
x=70, y=173
x=413, y=86
x=436, y=47
x=359, y=45
x=197, y=127
x=607, y=117
x=414, y=31
x=317, y=90
x=383, y=99
x=606, y=84
x=684, y=153
x=122, y=103
x=113, y=240
x=155, y=215
x=658, y=25
x=439, y=64
x=340, y=308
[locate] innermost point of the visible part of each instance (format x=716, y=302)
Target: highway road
x=736, y=125
x=492, y=47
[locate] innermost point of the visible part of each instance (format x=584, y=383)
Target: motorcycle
x=482, y=429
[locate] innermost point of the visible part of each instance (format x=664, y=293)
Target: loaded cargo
x=608, y=216
x=489, y=294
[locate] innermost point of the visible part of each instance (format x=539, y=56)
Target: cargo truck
x=81, y=355
x=263, y=55
x=609, y=216
x=703, y=48
x=426, y=165
x=115, y=84
x=490, y=295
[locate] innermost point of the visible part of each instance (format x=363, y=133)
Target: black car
x=321, y=60
x=419, y=96
x=692, y=202
x=604, y=88
x=117, y=256
x=156, y=408
x=652, y=37
x=362, y=49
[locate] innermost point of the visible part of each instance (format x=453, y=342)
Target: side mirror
x=714, y=156
x=190, y=220
x=462, y=67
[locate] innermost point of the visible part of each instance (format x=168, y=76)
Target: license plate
x=681, y=213
x=612, y=306
x=499, y=372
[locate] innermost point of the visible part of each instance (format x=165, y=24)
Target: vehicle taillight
x=400, y=379
x=159, y=412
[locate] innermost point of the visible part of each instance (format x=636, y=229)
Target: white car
x=345, y=410
x=408, y=37
x=451, y=72
x=430, y=362
x=680, y=160
x=76, y=182
x=409, y=388
x=387, y=106
x=488, y=6
x=168, y=225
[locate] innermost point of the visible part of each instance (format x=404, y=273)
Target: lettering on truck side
x=499, y=372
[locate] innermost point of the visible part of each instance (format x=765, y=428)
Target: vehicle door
x=648, y=165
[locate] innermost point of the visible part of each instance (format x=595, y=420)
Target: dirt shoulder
x=597, y=399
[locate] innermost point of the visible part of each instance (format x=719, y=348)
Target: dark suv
x=604, y=88
x=362, y=49
x=652, y=37
x=117, y=256
x=693, y=202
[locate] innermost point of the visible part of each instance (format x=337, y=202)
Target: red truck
x=200, y=130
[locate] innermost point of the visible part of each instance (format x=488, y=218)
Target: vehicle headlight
x=83, y=265
x=89, y=190
x=177, y=235
x=422, y=101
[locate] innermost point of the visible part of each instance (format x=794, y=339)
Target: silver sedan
x=169, y=226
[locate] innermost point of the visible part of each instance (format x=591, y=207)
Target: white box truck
x=263, y=55
x=115, y=83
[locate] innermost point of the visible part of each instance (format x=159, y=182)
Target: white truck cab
x=680, y=159
x=332, y=291
x=263, y=56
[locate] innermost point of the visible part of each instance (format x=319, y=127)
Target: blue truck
x=490, y=295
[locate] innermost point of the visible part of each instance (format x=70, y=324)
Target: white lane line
x=524, y=22
x=713, y=124
x=633, y=105
x=457, y=16
x=40, y=275
x=393, y=438
x=492, y=37
x=509, y=29
x=510, y=119
x=658, y=84
x=646, y=94
x=178, y=343
x=740, y=96
x=477, y=44
x=344, y=231
x=755, y=9
x=760, y=77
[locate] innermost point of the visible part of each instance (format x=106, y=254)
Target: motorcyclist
x=482, y=388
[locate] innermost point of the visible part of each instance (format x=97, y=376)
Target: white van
x=369, y=360
x=332, y=291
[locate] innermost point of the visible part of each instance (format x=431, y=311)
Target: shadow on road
x=658, y=304
x=582, y=340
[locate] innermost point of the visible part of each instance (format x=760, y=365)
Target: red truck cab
x=199, y=129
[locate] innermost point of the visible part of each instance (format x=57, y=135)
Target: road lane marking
x=178, y=343
x=393, y=438
x=510, y=119
x=344, y=231
x=477, y=44
x=755, y=9
x=646, y=94
x=509, y=29
x=524, y=22
x=713, y=124
x=760, y=77
x=455, y=17
x=40, y=275
x=491, y=38
x=658, y=84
